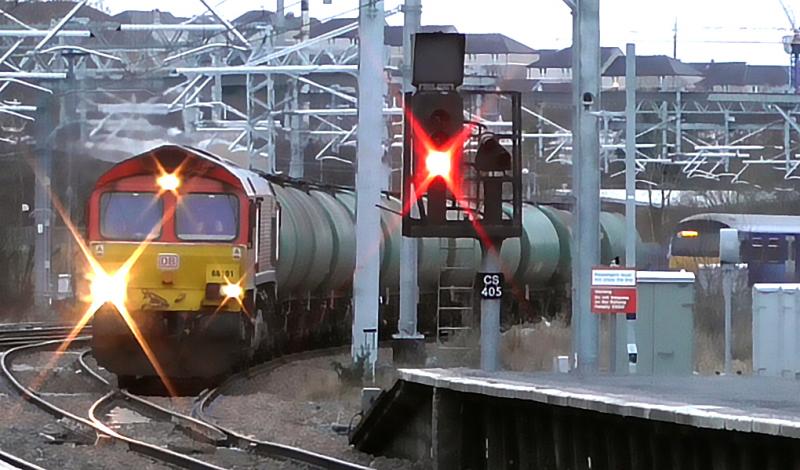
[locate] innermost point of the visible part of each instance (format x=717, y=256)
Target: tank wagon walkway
x=463, y=418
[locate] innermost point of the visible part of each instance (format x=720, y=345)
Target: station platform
x=465, y=418
x=740, y=403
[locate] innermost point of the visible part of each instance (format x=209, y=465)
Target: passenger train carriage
x=768, y=244
x=202, y=232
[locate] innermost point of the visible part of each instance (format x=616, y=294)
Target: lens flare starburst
x=232, y=291
x=107, y=289
x=169, y=182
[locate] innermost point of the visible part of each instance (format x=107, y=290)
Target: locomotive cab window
x=207, y=217
x=116, y=221
x=697, y=239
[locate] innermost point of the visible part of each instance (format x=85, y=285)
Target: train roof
x=757, y=223
x=191, y=160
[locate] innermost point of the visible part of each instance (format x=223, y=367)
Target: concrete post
x=280, y=14
x=585, y=179
x=630, y=191
x=728, y=271
x=297, y=157
x=216, y=88
x=368, y=186
x=408, y=340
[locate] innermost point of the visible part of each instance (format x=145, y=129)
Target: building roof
x=254, y=16
x=562, y=59
x=392, y=35
x=318, y=29
x=653, y=66
x=775, y=75
x=38, y=13
x=146, y=17
x=492, y=43
x=721, y=73
x=742, y=74
x=495, y=43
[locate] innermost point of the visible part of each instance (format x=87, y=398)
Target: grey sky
x=723, y=30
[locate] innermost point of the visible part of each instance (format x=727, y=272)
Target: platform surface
x=742, y=403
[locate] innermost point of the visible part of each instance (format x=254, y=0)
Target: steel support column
x=368, y=183
x=585, y=179
x=296, y=160
x=43, y=214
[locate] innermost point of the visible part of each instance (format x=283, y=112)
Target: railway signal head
x=491, y=155
x=437, y=126
x=446, y=176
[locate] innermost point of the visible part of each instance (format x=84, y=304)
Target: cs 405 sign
x=491, y=285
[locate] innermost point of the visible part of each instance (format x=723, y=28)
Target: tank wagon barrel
x=241, y=263
x=317, y=244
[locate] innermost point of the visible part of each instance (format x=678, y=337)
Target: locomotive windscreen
x=696, y=239
x=129, y=216
x=207, y=217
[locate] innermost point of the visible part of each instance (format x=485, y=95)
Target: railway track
x=12, y=335
x=16, y=462
x=267, y=447
x=87, y=425
x=204, y=430
x=30, y=339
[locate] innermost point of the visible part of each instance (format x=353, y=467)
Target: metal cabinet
x=664, y=324
x=776, y=330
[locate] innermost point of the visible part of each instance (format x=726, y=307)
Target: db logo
x=168, y=262
x=491, y=285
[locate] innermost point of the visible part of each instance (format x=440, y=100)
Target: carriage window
x=207, y=217
x=130, y=216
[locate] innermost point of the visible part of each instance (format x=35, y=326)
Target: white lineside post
x=729, y=252
x=409, y=286
x=305, y=26
x=368, y=183
x=490, y=308
x=728, y=271
x=630, y=192
x=585, y=179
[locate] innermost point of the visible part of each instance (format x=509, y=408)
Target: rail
x=144, y=448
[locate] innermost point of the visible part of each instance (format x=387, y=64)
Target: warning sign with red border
x=613, y=290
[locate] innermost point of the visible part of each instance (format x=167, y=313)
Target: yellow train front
x=184, y=273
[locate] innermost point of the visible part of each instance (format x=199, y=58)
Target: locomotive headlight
x=169, y=181
x=231, y=291
x=109, y=288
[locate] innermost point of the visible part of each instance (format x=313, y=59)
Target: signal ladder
x=455, y=313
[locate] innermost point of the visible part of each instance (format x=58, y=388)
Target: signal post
x=461, y=179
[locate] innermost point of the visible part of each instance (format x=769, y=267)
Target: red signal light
x=438, y=163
